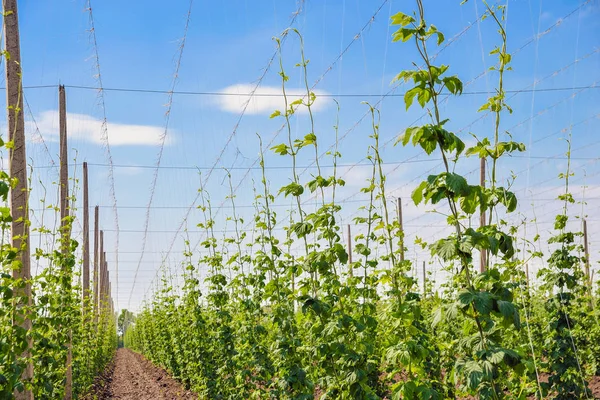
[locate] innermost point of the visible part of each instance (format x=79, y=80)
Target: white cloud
x=129, y=171
x=87, y=127
x=238, y=96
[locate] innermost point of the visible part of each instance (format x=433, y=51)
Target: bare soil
x=131, y=377
x=595, y=386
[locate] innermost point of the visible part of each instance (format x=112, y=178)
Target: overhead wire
x=245, y=106
x=162, y=141
x=538, y=36
x=104, y=138
x=327, y=70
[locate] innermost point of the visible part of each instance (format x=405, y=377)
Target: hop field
x=314, y=282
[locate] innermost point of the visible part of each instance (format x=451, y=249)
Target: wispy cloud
x=129, y=171
x=87, y=127
x=270, y=98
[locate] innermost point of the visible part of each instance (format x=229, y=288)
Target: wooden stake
x=106, y=287
x=108, y=305
x=424, y=281
x=400, y=223
x=101, y=272
x=104, y=291
x=350, y=271
x=86, y=239
x=64, y=163
x=96, y=250
x=483, y=253
x=587, y=253
x=17, y=168
x=294, y=281
x=64, y=214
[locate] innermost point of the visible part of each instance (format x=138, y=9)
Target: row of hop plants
x=270, y=323
x=58, y=316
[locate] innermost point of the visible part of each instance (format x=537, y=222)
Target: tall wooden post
x=400, y=223
x=101, y=272
x=294, y=282
x=86, y=239
x=104, y=290
x=64, y=161
x=96, y=252
x=18, y=198
x=483, y=254
x=106, y=286
x=64, y=214
x=350, y=271
x=109, y=297
x=424, y=281
x=587, y=254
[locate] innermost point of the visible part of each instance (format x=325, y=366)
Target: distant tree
x=126, y=318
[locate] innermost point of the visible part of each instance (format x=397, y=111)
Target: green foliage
x=294, y=316
x=57, y=317
x=566, y=287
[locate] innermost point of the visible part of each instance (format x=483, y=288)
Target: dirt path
x=132, y=377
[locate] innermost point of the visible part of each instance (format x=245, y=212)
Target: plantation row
x=275, y=324
x=56, y=316
x=46, y=331
x=57, y=329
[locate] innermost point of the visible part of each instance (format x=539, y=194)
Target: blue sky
x=227, y=47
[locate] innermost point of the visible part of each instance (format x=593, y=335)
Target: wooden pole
x=64, y=220
x=86, y=239
x=17, y=168
x=483, y=253
x=350, y=271
x=64, y=162
x=105, y=284
x=424, y=280
x=294, y=282
x=108, y=305
x=101, y=272
x=106, y=287
x=96, y=250
x=587, y=253
x=400, y=223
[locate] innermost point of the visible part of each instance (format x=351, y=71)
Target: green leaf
x=311, y=138
x=409, y=96
x=482, y=149
x=403, y=34
x=507, y=309
x=445, y=248
x=440, y=38
x=466, y=297
x=453, y=84
x=457, y=184
x=402, y=19
x=483, y=303
x=295, y=189
x=408, y=133
x=301, y=229
x=281, y=149
x=423, y=97
x=417, y=194
x=496, y=356
x=470, y=202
